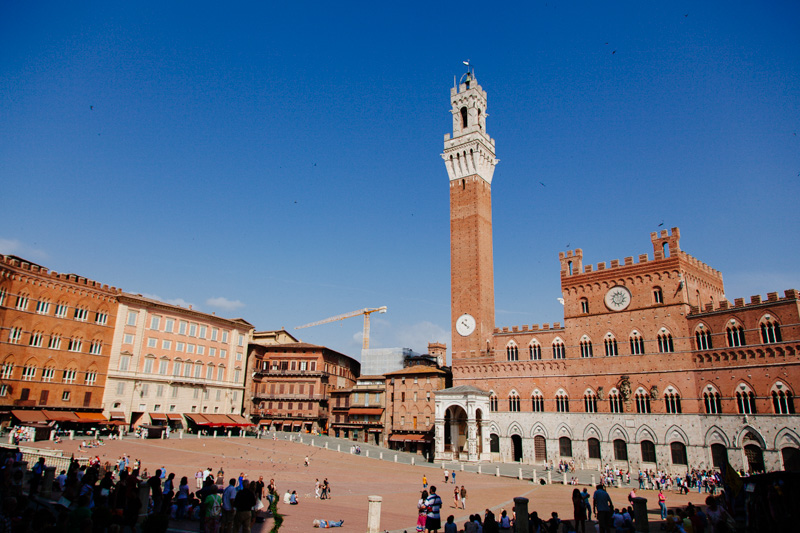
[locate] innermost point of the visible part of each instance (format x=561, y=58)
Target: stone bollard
x=549, y=477
x=479, y=469
x=380, y=455
x=534, y=478
x=215, y=433
x=180, y=434
x=338, y=447
x=497, y=471
x=291, y=438
x=163, y=435
x=564, y=482
x=312, y=442
x=640, y=514
x=144, y=497
x=326, y=445
x=374, y=514
x=51, y=437
x=593, y=481
x=395, y=458
x=442, y=465
x=242, y=432
x=46, y=490
x=198, y=433
x=301, y=439
x=367, y=453
x=462, y=467
x=412, y=461
x=520, y=474
x=521, y=509
x=71, y=434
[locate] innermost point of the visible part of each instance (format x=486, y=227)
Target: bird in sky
x=662, y=223
x=91, y=108
x=542, y=184
x=614, y=52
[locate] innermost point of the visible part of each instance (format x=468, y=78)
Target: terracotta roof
x=416, y=369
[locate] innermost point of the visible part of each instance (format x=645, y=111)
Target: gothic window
x=594, y=448
x=658, y=295
x=615, y=402
x=590, y=401
x=770, y=331
x=745, y=400
x=558, y=349
x=535, y=350
x=782, y=400
x=537, y=401
x=584, y=306
x=565, y=446
x=493, y=403
x=637, y=343
x=648, y=451
x=678, y=450
x=562, y=402
x=512, y=352
x=642, y=401
x=586, y=347
x=665, y=342
x=735, y=334
x=673, y=401
x=711, y=400
x=464, y=115
x=702, y=337
x=513, y=402
x=610, y=344
x=620, y=450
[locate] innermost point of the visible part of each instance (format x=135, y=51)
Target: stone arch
x=564, y=430
x=514, y=429
x=676, y=433
x=539, y=429
x=715, y=435
x=590, y=431
x=739, y=440
x=494, y=428
x=646, y=433
x=617, y=432
x=787, y=438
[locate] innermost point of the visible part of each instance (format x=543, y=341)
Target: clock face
x=465, y=324
x=618, y=298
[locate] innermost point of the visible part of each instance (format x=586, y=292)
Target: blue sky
x=280, y=161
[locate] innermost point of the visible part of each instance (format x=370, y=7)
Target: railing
x=288, y=397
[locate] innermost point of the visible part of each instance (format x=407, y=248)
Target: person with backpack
x=212, y=510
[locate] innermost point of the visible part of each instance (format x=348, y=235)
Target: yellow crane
x=366, y=312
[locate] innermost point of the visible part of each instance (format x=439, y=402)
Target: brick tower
x=470, y=161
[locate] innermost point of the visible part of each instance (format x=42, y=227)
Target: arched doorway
x=455, y=435
x=791, y=459
x=516, y=448
x=719, y=456
x=539, y=449
x=494, y=443
x=755, y=458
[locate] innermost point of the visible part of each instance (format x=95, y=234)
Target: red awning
x=91, y=417
x=374, y=411
x=216, y=420
x=158, y=416
x=197, y=418
x=29, y=417
x=264, y=422
x=62, y=416
x=296, y=424
x=116, y=415
x=409, y=438
x=239, y=420
x=175, y=417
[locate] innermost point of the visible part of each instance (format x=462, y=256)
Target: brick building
x=290, y=384
x=652, y=366
x=56, y=333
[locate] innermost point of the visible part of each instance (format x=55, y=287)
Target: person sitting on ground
x=293, y=498
x=328, y=523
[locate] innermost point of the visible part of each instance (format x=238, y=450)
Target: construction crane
x=366, y=312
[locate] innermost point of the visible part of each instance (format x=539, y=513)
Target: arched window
x=711, y=400
x=672, y=399
x=513, y=402
x=665, y=341
x=610, y=344
x=464, y=115
x=678, y=450
x=637, y=343
x=620, y=450
x=512, y=352
x=642, y=401
x=782, y=400
x=565, y=446
x=562, y=402
x=615, y=402
x=535, y=350
x=493, y=402
x=735, y=334
x=537, y=401
x=594, y=448
x=584, y=306
x=648, y=451
x=770, y=330
x=745, y=400
x=658, y=295
x=586, y=347
x=590, y=401
x=558, y=349
x=494, y=443
x=702, y=337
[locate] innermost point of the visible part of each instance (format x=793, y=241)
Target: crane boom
x=366, y=312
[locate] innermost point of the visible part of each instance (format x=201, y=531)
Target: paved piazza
x=353, y=478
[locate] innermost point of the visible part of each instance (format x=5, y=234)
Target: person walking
x=446, y=476
x=603, y=508
x=463, y=497
x=456, y=498
x=578, y=511
x=424, y=481
x=433, y=521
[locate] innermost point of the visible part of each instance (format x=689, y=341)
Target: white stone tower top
x=470, y=151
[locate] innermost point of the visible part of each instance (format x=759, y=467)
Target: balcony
x=286, y=372
x=288, y=397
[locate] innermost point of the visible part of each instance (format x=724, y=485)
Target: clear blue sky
x=280, y=161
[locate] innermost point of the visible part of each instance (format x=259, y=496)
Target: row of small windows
x=54, y=341
x=60, y=310
x=180, y=368
x=191, y=329
x=620, y=446
x=782, y=402
x=735, y=336
x=30, y=372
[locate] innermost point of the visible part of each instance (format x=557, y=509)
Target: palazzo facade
x=652, y=366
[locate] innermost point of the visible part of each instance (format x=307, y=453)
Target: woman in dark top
x=579, y=511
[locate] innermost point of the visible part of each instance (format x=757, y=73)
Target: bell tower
x=470, y=161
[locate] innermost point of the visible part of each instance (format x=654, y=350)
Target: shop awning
x=264, y=422
x=197, y=418
x=29, y=417
x=161, y=417
x=216, y=420
x=175, y=417
x=116, y=415
x=374, y=411
x=296, y=424
x=239, y=420
x=62, y=416
x=92, y=417
x=409, y=438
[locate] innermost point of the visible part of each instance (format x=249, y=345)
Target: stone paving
x=353, y=478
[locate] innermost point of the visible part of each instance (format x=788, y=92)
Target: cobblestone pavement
x=353, y=478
